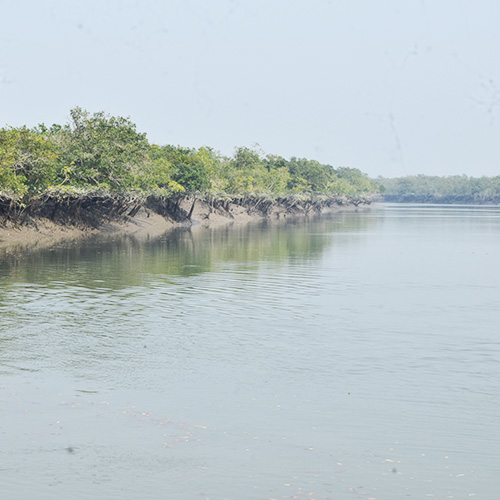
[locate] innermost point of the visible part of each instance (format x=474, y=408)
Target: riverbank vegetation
x=101, y=161
x=433, y=189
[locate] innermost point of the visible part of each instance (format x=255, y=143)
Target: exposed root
x=94, y=210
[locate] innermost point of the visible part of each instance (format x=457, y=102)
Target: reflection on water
x=118, y=260
x=342, y=357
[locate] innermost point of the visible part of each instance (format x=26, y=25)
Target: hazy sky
x=392, y=87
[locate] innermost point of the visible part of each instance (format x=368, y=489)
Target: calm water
x=356, y=356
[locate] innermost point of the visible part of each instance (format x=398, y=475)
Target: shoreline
x=439, y=200
x=153, y=220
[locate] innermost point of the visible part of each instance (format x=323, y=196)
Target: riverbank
x=51, y=220
x=430, y=199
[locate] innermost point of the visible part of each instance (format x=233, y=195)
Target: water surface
x=352, y=356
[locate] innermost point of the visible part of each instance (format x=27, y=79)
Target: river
x=341, y=357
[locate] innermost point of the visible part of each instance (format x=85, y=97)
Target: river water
x=343, y=357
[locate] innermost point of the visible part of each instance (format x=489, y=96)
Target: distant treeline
x=101, y=153
x=433, y=189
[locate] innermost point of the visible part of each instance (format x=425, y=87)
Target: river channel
x=349, y=356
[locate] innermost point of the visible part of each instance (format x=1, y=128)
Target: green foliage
x=452, y=189
x=278, y=175
x=189, y=168
x=28, y=160
x=157, y=173
x=248, y=171
x=102, y=150
x=106, y=153
x=316, y=176
x=354, y=180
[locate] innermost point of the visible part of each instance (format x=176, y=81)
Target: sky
x=392, y=87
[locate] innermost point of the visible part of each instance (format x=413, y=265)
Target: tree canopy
x=102, y=152
x=433, y=189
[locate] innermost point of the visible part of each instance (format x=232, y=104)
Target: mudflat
x=42, y=232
